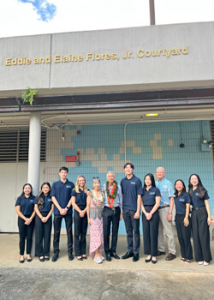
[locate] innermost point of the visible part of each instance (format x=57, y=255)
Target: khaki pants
x=165, y=226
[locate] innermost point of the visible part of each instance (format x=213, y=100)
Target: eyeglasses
x=96, y=178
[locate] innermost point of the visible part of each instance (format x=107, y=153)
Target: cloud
x=43, y=8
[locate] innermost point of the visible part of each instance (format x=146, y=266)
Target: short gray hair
x=95, y=179
x=110, y=172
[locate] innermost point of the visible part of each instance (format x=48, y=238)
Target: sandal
x=79, y=258
x=183, y=259
x=188, y=261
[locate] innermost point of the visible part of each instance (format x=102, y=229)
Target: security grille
x=14, y=146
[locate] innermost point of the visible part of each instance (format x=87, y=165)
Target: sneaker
x=206, y=263
x=200, y=262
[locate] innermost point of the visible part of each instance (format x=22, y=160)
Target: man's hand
x=121, y=216
x=169, y=217
x=137, y=215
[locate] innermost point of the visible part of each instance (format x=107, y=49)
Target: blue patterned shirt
x=166, y=189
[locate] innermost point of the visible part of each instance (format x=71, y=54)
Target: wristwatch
x=67, y=207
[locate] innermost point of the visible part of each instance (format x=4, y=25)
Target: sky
x=29, y=17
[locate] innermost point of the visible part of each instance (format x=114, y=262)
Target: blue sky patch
x=43, y=8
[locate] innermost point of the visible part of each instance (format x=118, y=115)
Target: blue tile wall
x=178, y=162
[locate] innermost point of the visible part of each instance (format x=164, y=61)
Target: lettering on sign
x=71, y=158
x=93, y=57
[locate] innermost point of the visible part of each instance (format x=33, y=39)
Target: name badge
x=68, y=186
x=181, y=199
x=196, y=194
x=31, y=201
x=132, y=182
x=49, y=199
x=152, y=193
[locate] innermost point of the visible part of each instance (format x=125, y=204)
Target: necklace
x=113, y=194
x=98, y=200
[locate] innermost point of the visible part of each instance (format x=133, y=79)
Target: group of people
x=103, y=207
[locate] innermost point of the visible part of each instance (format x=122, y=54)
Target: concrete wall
x=190, y=67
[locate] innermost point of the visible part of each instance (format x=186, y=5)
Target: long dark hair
x=176, y=191
x=152, y=180
x=24, y=187
x=41, y=195
x=201, y=189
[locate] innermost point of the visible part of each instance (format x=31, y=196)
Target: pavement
x=118, y=279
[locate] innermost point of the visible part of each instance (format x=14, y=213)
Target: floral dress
x=96, y=220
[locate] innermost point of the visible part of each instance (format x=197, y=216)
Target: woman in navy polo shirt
x=43, y=223
x=182, y=220
x=150, y=217
x=79, y=201
x=25, y=211
x=201, y=220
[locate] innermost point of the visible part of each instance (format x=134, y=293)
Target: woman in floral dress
x=95, y=203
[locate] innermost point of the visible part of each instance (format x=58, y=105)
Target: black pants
x=43, y=235
x=184, y=235
x=201, y=235
x=57, y=228
x=150, y=232
x=80, y=230
x=25, y=231
x=110, y=217
x=132, y=225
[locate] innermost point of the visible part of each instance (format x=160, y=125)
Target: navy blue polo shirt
x=196, y=202
x=62, y=192
x=26, y=204
x=149, y=196
x=46, y=204
x=180, y=203
x=131, y=188
x=81, y=197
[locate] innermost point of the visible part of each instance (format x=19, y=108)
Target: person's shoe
x=84, y=257
x=103, y=258
x=161, y=253
x=108, y=257
x=148, y=259
x=206, y=263
x=154, y=261
x=22, y=261
x=55, y=257
x=170, y=256
x=29, y=259
x=98, y=260
x=114, y=254
x=200, y=262
x=41, y=258
x=80, y=258
x=127, y=255
x=47, y=258
x=70, y=256
x=136, y=257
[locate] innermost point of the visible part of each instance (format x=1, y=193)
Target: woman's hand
x=44, y=219
x=82, y=213
x=209, y=221
x=28, y=221
x=89, y=222
x=186, y=222
x=148, y=216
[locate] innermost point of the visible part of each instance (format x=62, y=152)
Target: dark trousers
x=43, y=235
x=110, y=217
x=184, y=235
x=80, y=230
x=150, y=232
x=201, y=235
x=57, y=228
x=25, y=231
x=132, y=225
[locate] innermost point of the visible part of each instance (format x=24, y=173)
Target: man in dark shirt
x=61, y=193
x=132, y=191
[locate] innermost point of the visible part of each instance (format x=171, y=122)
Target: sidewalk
x=9, y=256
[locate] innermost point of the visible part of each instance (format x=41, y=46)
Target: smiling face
x=194, y=180
x=63, y=174
x=148, y=181
x=160, y=173
x=81, y=182
x=179, y=186
x=110, y=177
x=128, y=170
x=27, y=190
x=45, y=189
x=96, y=185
